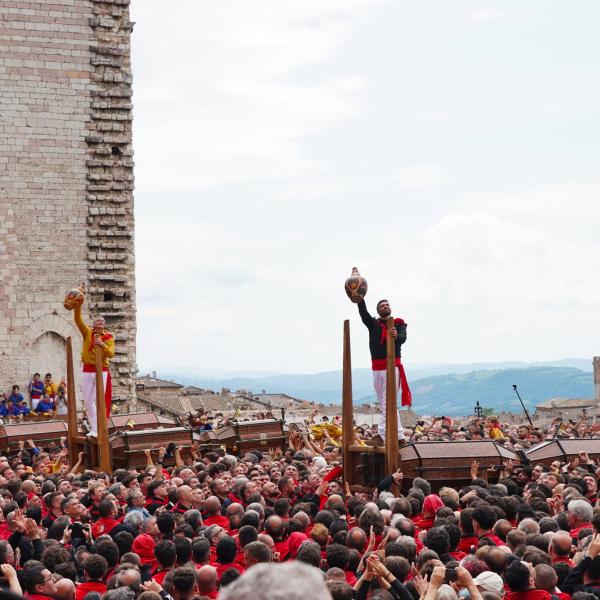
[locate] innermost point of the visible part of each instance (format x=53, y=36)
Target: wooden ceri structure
x=440, y=462
x=98, y=450
x=358, y=460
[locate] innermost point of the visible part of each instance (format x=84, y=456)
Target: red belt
x=91, y=368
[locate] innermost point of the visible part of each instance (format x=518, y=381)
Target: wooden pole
x=102, y=427
x=71, y=406
x=347, y=408
x=391, y=410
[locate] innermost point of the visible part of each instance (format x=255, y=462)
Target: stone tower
x=66, y=183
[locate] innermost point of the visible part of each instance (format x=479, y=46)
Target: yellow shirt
x=496, y=433
x=51, y=389
x=88, y=357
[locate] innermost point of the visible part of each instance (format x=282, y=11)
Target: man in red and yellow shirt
x=92, y=337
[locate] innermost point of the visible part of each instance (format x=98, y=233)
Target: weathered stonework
x=66, y=182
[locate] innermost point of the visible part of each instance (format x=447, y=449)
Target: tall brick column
x=109, y=188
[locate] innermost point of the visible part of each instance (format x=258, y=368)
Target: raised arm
x=366, y=318
x=83, y=328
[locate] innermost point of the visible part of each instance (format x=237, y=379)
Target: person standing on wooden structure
x=356, y=289
x=378, y=333
x=94, y=336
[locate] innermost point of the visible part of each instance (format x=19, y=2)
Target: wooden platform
x=441, y=463
x=41, y=432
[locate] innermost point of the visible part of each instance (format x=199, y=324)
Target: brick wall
x=66, y=179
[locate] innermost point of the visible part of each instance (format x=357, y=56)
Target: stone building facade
x=66, y=183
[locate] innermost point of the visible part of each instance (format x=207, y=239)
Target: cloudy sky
x=450, y=150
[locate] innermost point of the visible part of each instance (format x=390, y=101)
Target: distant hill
x=457, y=394
x=452, y=393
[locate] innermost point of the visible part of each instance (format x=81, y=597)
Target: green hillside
x=457, y=394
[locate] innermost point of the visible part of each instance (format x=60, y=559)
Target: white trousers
x=379, y=383
x=88, y=390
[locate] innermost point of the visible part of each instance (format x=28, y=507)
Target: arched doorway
x=48, y=355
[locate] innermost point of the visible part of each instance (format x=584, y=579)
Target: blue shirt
x=44, y=406
x=37, y=389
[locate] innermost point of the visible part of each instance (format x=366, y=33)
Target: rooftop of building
x=150, y=381
x=566, y=403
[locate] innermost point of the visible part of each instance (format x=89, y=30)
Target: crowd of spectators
x=44, y=397
x=286, y=525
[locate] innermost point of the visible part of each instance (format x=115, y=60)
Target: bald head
x=303, y=519
x=184, y=493
x=235, y=509
x=334, y=501
x=267, y=540
x=357, y=539
x=65, y=589
x=28, y=486
x=130, y=578
x=212, y=506
x=502, y=527
x=545, y=578
x=335, y=574
x=392, y=534
x=274, y=527
x=560, y=544
x=206, y=578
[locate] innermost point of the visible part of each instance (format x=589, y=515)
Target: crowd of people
x=286, y=525
x=44, y=397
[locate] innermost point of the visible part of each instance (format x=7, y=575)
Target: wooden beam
x=391, y=409
x=102, y=427
x=71, y=406
x=347, y=408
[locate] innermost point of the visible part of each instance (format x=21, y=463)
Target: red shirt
x=160, y=576
x=575, y=532
x=563, y=559
x=423, y=522
x=221, y=568
x=283, y=548
x=494, y=538
x=104, y=526
x=89, y=586
x=529, y=595
x=219, y=520
x=350, y=577
x=466, y=542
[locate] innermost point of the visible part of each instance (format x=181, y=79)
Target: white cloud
x=439, y=115
x=279, y=143
x=229, y=97
x=486, y=15
x=416, y=176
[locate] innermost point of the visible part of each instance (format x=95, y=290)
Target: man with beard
x=378, y=333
